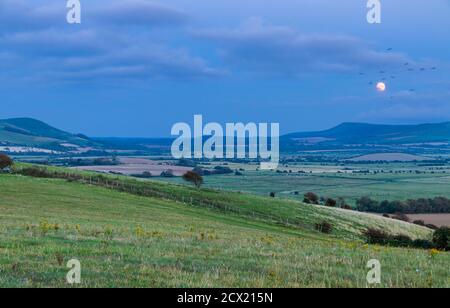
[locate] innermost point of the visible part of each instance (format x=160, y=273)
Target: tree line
x=412, y=206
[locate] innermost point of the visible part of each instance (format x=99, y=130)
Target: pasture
x=124, y=240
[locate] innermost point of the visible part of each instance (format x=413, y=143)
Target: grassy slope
x=178, y=245
x=35, y=133
x=302, y=217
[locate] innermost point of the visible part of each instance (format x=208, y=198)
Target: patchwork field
x=133, y=241
x=137, y=166
x=334, y=185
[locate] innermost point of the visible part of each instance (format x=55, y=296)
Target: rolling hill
x=371, y=134
x=152, y=238
x=33, y=133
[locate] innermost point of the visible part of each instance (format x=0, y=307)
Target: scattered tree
x=167, y=174
x=330, y=202
x=311, y=198
x=194, y=178
x=441, y=238
x=5, y=161
x=324, y=227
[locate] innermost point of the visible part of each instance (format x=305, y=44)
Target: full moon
x=381, y=86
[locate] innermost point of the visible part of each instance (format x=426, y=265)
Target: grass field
x=126, y=240
x=351, y=186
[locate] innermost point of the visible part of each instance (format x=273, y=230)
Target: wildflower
x=434, y=252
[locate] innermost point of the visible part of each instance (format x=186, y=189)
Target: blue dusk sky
x=135, y=67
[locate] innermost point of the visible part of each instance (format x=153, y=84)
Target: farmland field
x=351, y=186
x=127, y=240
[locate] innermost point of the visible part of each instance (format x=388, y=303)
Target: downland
x=138, y=233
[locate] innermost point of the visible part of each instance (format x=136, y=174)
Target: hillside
x=366, y=134
x=33, y=133
x=243, y=241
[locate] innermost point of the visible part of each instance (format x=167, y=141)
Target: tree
x=5, y=161
x=167, y=174
x=441, y=238
x=194, y=178
x=311, y=198
x=331, y=202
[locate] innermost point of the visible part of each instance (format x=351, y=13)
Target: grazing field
x=134, y=241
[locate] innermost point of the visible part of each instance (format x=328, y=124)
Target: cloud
x=21, y=15
x=408, y=113
x=16, y=15
x=138, y=12
x=259, y=47
x=43, y=47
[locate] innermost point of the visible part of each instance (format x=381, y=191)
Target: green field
x=124, y=240
x=351, y=186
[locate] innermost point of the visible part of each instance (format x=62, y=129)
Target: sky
x=134, y=68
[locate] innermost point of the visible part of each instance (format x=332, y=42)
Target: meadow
x=126, y=240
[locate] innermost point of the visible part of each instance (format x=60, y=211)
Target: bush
x=35, y=172
x=419, y=222
x=5, y=161
x=432, y=227
x=330, y=202
x=386, y=216
x=374, y=236
x=167, y=174
x=324, y=227
x=401, y=217
x=346, y=207
x=423, y=244
x=441, y=238
x=311, y=198
x=400, y=241
x=194, y=178
x=273, y=195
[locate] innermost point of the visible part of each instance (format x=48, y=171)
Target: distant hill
x=33, y=133
x=27, y=132
x=371, y=134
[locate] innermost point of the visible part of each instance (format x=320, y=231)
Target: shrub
x=324, y=227
x=273, y=195
x=5, y=161
x=330, y=202
x=401, y=217
x=194, y=178
x=346, y=207
x=400, y=241
x=419, y=222
x=167, y=174
x=423, y=244
x=441, y=238
x=386, y=216
x=374, y=236
x=311, y=198
x=432, y=227
x=36, y=172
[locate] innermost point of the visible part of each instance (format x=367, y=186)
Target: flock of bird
x=383, y=75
